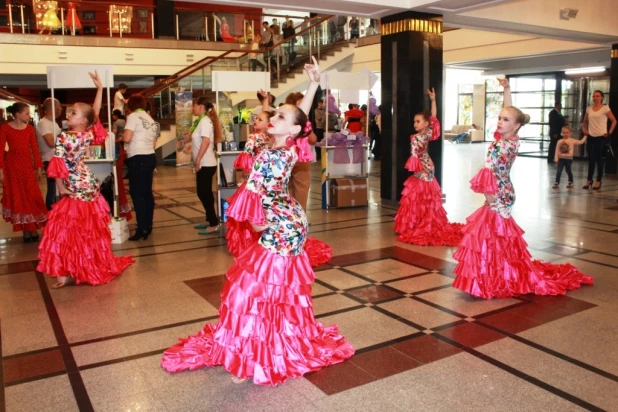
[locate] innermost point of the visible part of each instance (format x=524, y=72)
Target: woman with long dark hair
x=205, y=134
x=20, y=167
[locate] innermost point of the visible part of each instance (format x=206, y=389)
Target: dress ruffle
x=414, y=164
x=244, y=161
x=57, y=168
x=317, y=251
x=421, y=219
x=494, y=262
x=247, y=205
x=77, y=243
x=266, y=329
x=484, y=182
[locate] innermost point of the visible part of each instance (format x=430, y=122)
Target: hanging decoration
x=121, y=18
x=46, y=14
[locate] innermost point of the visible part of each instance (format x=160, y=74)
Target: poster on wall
x=184, y=119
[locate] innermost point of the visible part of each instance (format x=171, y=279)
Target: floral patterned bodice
x=418, y=144
x=500, y=157
x=255, y=143
x=287, y=221
x=81, y=182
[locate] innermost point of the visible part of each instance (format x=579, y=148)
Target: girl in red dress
x=266, y=329
x=76, y=245
x=493, y=256
x=421, y=219
x=22, y=201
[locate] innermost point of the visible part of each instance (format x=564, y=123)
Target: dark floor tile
x=30, y=366
x=209, y=288
x=540, y=313
x=512, y=322
x=564, y=250
x=374, y=294
x=564, y=303
x=384, y=362
x=471, y=334
x=339, y=378
x=359, y=257
x=17, y=267
x=419, y=259
x=426, y=349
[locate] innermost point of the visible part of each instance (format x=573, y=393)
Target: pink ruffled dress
x=493, y=257
x=240, y=234
x=77, y=240
x=266, y=329
x=421, y=218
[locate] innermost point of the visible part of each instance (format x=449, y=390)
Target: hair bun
x=526, y=118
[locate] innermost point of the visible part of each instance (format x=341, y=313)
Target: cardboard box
x=348, y=192
x=120, y=230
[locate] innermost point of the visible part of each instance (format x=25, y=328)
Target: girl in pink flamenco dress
x=240, y=235
x=421, y=218
x=76, y=245
x=493, y=256
x=266, y=329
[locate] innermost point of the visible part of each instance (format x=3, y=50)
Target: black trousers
x=50, y=198
x=255, y=63
x=319, y=133
x=551, y=150
x=203, y=181
x=141, y=169
x=594, y=147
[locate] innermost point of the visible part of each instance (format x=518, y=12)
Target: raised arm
x=96, y=106
x=265, y=100
x=432, y=96
x=508, y=101
x=313, y=71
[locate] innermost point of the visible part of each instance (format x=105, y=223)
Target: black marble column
x=165, y=19
x=611, y=163
x=411, y=63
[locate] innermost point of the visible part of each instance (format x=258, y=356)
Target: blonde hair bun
x=526, y=118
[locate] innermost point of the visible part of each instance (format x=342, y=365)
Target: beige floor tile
x=28, y=332
x=419, y=313
x=332, y=303
x=419, y=283
x=114, y=381
x=367, y=327
x=340, y=279
x=563, y=375
x=52, y=394
x=317, y=289
x=463, y=303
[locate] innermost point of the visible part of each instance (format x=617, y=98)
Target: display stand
x=233, y=81
x=76, y=77
x=343, y=81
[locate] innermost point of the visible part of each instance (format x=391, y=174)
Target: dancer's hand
x=313, y=71
x=63, y=191
x=432, y=94
x=38, y=174
x=263, y=93
x=96, y=80
x=504, y=82
x=260, y=228
x=490, y=198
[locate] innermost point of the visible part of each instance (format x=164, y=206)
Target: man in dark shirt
x=556, y=122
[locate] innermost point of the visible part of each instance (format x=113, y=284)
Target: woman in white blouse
x=595, y=126
x=205, y=133
x=140, y=135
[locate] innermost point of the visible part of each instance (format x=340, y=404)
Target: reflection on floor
x=421, y=345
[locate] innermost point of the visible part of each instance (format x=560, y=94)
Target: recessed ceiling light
x=583, y=70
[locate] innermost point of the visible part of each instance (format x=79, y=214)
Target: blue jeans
x=50, y=198
x=564, y=164
x=141, y=169
x=594, y=147
x=460, y=137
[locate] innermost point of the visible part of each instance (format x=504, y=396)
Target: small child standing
x=564, y=155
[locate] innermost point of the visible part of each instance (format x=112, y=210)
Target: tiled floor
x=421, y=345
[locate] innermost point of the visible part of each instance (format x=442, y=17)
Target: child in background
x=564, y=155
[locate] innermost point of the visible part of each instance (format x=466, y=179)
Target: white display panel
x=237, y=81
x=350, y=81
x=76, y=77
